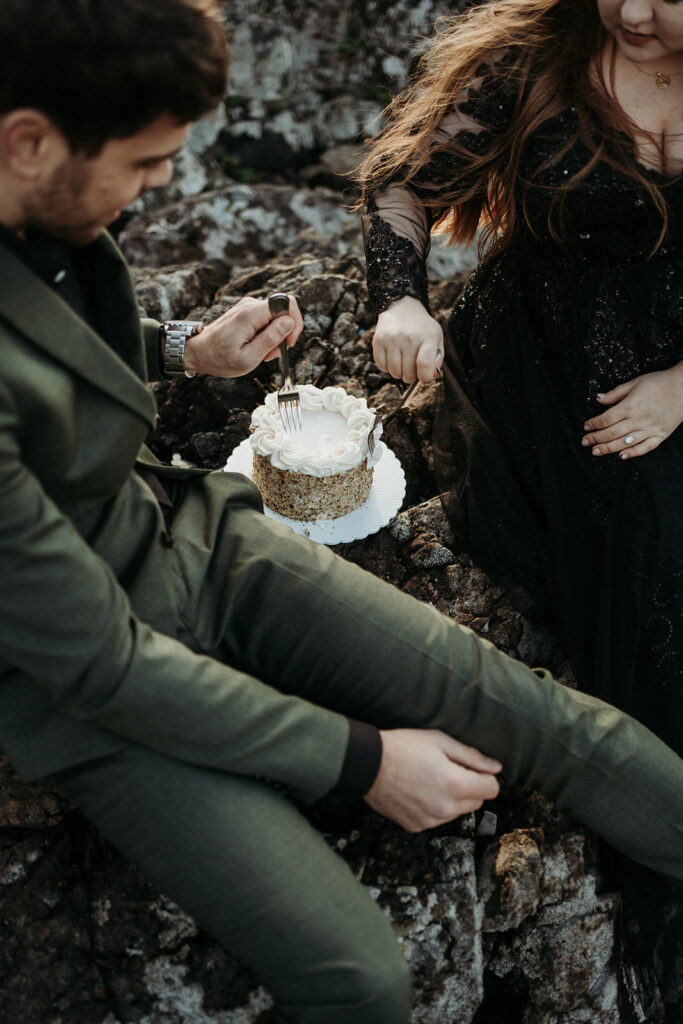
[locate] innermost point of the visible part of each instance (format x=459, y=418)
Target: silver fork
x=385, y=419
x=288, y=398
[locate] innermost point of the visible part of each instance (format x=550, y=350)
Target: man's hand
x=644, y=411
x=427, y=778
x=242, y=338
x=408, y=342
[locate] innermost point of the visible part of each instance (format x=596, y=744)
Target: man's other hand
x=427, y=778
x=241, y=338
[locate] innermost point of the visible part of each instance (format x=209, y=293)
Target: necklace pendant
x=663, y=81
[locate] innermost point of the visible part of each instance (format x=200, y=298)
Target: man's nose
x=158, y=176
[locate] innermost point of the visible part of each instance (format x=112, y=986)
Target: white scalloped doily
x=383, y=502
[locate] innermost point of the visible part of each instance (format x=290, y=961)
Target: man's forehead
x=162, y=138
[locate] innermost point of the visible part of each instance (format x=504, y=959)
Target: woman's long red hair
x=552, y=47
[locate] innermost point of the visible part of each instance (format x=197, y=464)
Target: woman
x=555, y=126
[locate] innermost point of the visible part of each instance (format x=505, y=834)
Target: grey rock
x=237, y=224
x=343, y=159
x=171, y=293
x=192, y=174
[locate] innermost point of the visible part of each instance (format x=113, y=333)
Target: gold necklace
x=662, y=80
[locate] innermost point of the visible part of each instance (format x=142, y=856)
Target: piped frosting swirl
x=334, y=437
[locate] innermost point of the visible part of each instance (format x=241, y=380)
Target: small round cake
x=322, y=471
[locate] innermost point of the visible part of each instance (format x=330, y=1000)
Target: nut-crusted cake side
x=308, y=498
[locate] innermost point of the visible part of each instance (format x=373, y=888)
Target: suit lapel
x=41, y=316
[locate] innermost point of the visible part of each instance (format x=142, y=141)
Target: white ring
x=629, y=439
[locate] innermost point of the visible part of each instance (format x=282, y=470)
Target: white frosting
x=334, y=437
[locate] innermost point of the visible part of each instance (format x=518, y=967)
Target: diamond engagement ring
x=629, y=439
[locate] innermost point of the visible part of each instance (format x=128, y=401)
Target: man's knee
x=380, y=990
x=367, y=985
x=393, y=992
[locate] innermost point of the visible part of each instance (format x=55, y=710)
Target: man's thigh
x=237, y=856
x=297, y=616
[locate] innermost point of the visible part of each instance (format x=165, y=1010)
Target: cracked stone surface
x=505, y=918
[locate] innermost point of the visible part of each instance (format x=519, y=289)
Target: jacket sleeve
x=66, y=624
x=152, y=346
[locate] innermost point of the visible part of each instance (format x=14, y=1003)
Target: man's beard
x=57, y=210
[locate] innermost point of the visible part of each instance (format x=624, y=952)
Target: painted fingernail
x=585, y=442
x=600, y=395
x=596, y=451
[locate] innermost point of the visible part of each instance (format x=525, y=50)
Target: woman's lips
x=635, y=38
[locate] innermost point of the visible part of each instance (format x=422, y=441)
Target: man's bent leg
x=238, y=856
x=309, y=623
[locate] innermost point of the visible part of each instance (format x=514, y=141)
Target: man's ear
x=30, y=144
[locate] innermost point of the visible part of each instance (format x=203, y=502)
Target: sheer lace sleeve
x=397, y=222
x=396, y=232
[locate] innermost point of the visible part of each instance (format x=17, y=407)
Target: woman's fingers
x=395, y=362
x=606, y=420
x=407, y=340
x=617, y=393
x=648, y=444
x=429, y=359
x=643, y=412
x=619, y=444
x=608, y=435
x=628, y=444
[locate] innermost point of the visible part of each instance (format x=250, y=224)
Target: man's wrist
x=362, y=760
x=175, y=336
x=190, y=358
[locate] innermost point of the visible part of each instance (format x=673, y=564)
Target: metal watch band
x=174, y=338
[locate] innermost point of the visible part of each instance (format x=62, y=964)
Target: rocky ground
x=515, y=916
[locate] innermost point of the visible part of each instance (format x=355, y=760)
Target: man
x=171, y=657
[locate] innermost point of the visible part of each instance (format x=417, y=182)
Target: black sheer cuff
x=394, y=267
x=361, y=761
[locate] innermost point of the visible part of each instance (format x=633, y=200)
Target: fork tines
x=289, y=405
x=288, y=398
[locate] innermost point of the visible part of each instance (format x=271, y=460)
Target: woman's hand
x=408, y=342
x=643, y=412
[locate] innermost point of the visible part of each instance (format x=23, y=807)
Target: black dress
x=539, y=330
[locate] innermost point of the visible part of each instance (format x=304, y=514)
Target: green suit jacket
x=90, y=656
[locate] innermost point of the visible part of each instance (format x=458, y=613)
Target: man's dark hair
x=103, y=69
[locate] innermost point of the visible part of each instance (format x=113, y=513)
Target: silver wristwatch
x=174, y=335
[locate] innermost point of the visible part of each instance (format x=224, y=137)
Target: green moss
x=350, y=46
x=233, y=166
x=379, y=92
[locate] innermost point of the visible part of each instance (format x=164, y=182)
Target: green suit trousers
x=237, y=855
